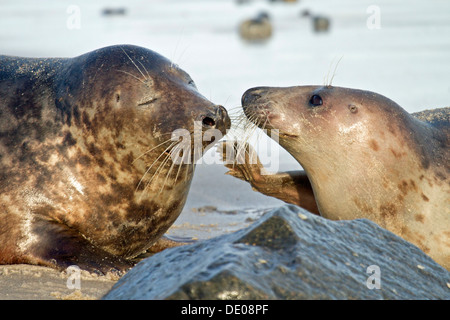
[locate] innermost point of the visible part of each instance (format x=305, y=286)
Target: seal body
x=364, y=157
x=87, y=175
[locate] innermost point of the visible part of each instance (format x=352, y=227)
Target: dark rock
x=289, y=254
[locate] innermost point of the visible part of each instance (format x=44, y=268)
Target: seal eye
x=315, y=101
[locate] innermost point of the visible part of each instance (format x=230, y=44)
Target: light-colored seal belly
x=363, y=157
x=87, y=175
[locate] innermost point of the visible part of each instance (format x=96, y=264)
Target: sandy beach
x=25, y=282
x=405, y=58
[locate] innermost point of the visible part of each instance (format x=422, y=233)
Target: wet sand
x=25, y=282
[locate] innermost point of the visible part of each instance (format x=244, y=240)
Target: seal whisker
x=132, y=61
x=193, y=168
x=162, y=153
x=179, y=165
x=239, y=122
x=158, y=170
x=173, y=150
x=132, y=76
x=145, y=69
x=150, y=150
x=192, y=162
x=178, y=173
x=239, y=108
x=167, y=175
x=245, y=130
x=186, y=173
x=226, y=101
x=327, y=81
x=169, y=155
x=265, y=123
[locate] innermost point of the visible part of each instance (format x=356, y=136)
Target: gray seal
x=87, y=170
x=363, y=156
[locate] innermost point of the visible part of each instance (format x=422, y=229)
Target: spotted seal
x=88, y=175
x=363, y=157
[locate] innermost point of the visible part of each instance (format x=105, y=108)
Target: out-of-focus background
x=400, y=49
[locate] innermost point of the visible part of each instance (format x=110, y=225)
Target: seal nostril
x=209, y=122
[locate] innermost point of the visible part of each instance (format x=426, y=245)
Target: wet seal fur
x=86, y=175
x=363, y=157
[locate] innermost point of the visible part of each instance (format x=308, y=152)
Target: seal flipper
x=292, y=187
x=60, y=247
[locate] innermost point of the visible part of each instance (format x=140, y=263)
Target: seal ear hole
x=352, y=108
x=316, y=101
x=209, y=122
x=117, y=97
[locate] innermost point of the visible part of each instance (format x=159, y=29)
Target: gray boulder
x=290, y=254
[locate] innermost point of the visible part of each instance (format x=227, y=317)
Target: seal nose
x=219, y=120
x=250, y=96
